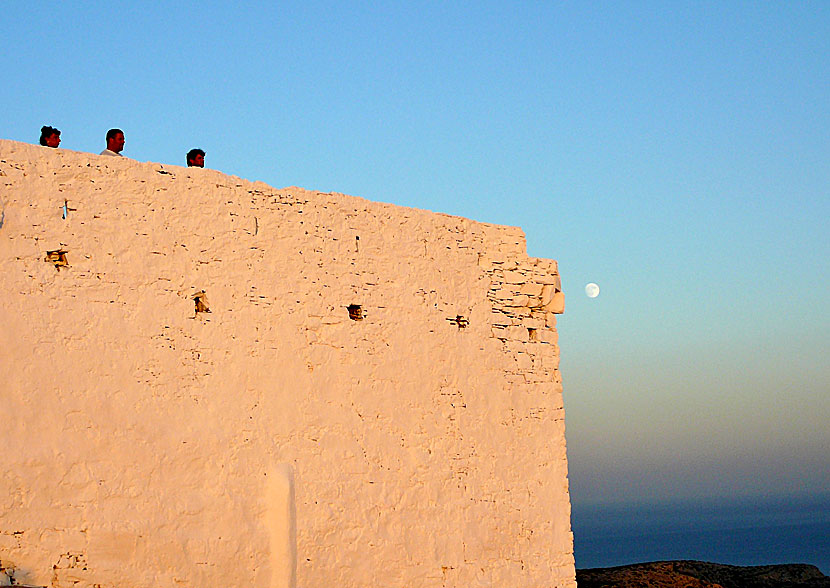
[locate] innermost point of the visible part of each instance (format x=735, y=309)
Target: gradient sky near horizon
x=675, y=153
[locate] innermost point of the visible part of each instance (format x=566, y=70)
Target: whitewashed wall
x=426, y=440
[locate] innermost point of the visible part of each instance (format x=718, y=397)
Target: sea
x=745, y=532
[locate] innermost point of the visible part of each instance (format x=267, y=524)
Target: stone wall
x=171, y=337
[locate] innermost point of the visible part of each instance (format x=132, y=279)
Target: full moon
x=592, y=290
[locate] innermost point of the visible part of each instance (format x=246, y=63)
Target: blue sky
x=676, y=153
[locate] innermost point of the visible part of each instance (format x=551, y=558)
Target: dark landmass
x=700, y=574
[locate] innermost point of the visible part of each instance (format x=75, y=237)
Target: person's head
x=50, y=137
x=115, y=140
x=195, y=158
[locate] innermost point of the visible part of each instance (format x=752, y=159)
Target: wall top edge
x=45, y=160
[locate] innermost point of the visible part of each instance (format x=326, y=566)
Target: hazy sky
x=676, y=153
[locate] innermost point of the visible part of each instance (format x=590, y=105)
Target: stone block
x=546, y=294
x=557, y=303
x=502, y=294
x=520, y=300
x=514, y=277
x=531, y=289
x=515, y=346
x=499, y=332
x=550, y=320
x=524, y=362
x=517, y=333
x=549, y=336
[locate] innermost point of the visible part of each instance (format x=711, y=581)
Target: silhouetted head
x=50, y=137
x=195, y=158
x=115, y=140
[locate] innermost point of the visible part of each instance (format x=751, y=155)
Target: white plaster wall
x=138, y=435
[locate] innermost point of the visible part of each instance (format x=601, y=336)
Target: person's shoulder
x=108, y=152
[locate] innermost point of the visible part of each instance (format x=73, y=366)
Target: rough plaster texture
x=422, y=445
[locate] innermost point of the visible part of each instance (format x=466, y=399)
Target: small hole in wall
x=459, y=321
x=532, y=334
x=355, y=312
x=57, y=257
x=200, y=298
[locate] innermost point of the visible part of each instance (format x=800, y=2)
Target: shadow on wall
x=281, y=520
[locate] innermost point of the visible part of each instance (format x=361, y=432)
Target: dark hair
x=46, y=132
x=191, y=155
x=112, y=132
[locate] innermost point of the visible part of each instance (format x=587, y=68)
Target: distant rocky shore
x=700, y=574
